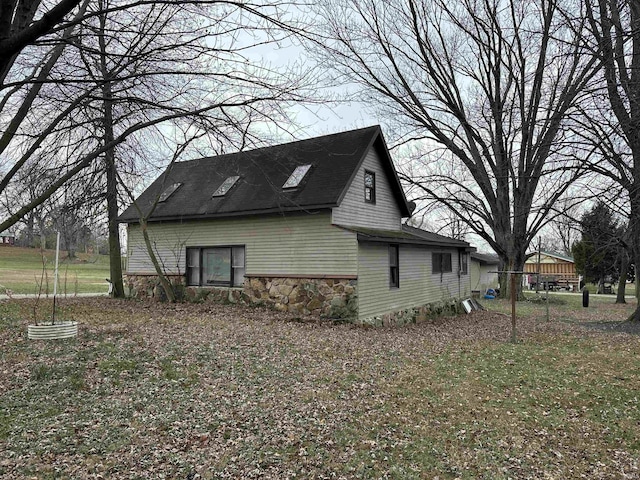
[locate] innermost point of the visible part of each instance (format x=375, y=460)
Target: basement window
x=296, y=177
x=170, y=190
x=226, y=186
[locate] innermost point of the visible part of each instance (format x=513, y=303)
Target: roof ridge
x=266, y=147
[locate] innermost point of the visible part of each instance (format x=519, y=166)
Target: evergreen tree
x=596, y=254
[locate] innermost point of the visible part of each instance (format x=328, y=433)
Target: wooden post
x=547, y=301
x=513, y=307
x=55, y=280
x=538, y=276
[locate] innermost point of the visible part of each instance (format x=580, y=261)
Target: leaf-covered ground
x=207, y=391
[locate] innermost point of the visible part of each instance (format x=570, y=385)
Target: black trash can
x=585, y=297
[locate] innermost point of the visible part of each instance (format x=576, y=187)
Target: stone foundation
x=415, y=314
x=327, y=297
x=332, y=298
x=148, y=286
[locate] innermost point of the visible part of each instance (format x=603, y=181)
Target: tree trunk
x=69, y=241
x=635, y=316
x=634, y=224
x=513, y=263
x=115, y=257
x=164, y=282
x=43, y=236
x=622, y=282
x=29, y=233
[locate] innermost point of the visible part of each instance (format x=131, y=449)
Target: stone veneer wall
x=332, y=298
x=419, y=314
x=329, y=297
x=148, y=286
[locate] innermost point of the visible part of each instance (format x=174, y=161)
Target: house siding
x=353, y=210
x=481, y=279
x=418, y=285
x=300, y=244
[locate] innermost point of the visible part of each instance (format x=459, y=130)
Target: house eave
x=369, y=239
x=401, y=237
x=310, y=209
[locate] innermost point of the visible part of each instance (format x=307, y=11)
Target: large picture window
x=215, y=266
x=441, y=262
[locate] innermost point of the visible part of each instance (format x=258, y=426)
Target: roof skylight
x=226, y=186
x=169, y=191
x=297, y=176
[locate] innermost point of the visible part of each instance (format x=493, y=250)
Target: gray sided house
x=484, y=268
x=313, y=226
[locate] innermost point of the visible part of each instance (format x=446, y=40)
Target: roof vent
x=226, y=186
x=169, y=191
x=296, y=177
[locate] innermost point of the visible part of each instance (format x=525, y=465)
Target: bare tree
x=120, y=72
x=615, y=26
x=23, y=22
x=483, y=90
x=564, y=226
x=144, y=214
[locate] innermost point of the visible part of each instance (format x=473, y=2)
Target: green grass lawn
x=21, y=271
x=564, y=306
x=630, y=288
x=152, y=390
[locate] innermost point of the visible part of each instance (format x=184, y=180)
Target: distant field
x=21, y=271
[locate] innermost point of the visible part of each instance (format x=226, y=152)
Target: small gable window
x=369, y=187
x=169, y=191
x=226, y=186
x=296, y=177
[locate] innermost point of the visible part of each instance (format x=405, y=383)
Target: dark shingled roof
x=408, y=235
x=334, y=158
x=486, y=258
x=435, y=238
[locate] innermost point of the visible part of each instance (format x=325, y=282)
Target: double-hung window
x=394, y=266
x=441, y=262
x=216, y=266
x=464, y=263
